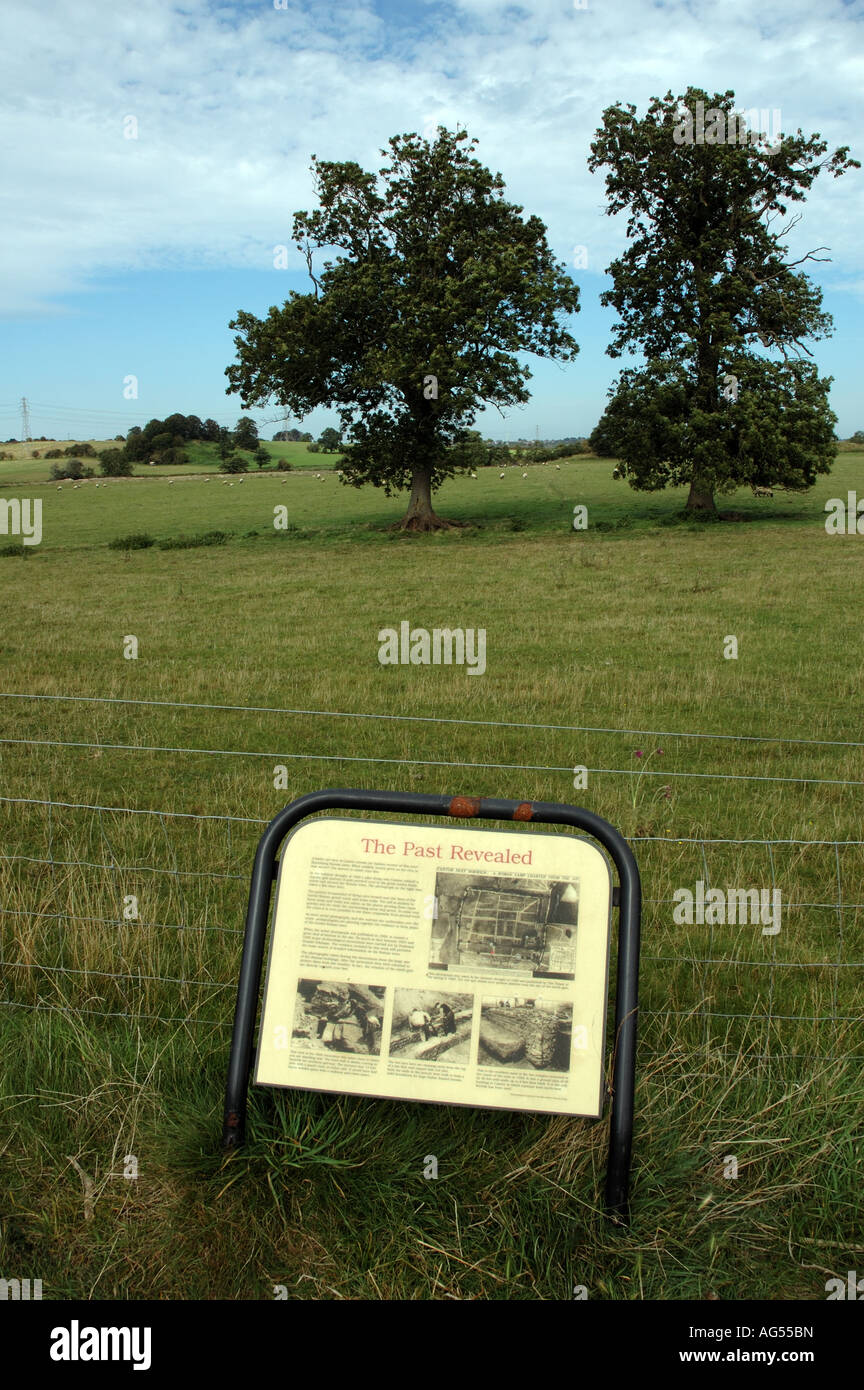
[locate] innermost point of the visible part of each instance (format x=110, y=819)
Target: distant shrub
x=234, y=464
x=283, y=466
x=4, y=455
x=114, y=464
x=85, y=450
x=49, y=454
x=192, y=542
x=173, y=457
x=139, y=540
x=314, y=448
x=72, y=470
x=17, y=548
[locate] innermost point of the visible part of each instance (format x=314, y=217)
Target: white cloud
x=231, y=101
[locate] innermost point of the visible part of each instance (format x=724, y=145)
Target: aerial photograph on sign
x=505, y=923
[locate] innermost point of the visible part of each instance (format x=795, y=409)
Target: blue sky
x=128, y=257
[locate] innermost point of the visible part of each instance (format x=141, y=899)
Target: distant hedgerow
x=139, y=540
x=191, y=542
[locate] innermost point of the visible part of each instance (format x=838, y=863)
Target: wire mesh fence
x=134, y=913
x=110, y=911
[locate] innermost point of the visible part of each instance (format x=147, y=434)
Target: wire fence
x=116, y=912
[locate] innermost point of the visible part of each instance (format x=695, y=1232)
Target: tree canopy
x=415, y=325
x=704, y=289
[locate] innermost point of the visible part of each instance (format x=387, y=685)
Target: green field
x=23, y=467
x=749, y=1045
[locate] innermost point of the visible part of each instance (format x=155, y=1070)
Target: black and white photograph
x=504, y=923
x=334, y=1016
x=524, y=1033
x=430, y=1025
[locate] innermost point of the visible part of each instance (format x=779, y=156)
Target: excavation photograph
x=525, y=1034
x=333, y=1016
x=428, y=1025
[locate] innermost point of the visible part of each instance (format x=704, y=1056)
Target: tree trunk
x=701, y=498
x=420, y=515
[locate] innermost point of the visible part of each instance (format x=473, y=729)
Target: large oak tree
x=416, y=323
x=706, y=291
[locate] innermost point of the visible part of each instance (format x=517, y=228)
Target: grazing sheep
x=524, y=475
x=616, y=473
x=59, y=489
x=500, y=475
x=762, y=492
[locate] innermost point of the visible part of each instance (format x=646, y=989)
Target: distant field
x=602, y=646
x=24, y=468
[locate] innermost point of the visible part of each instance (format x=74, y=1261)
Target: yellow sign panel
x=448, y=964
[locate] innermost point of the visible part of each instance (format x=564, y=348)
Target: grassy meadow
x=115, y=1032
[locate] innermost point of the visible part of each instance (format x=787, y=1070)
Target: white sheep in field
x=500, y=475
x=524, y=475
x=558, y=466
x=59, y=489
x=762, y=492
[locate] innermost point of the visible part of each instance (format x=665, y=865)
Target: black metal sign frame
x=628, y=898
